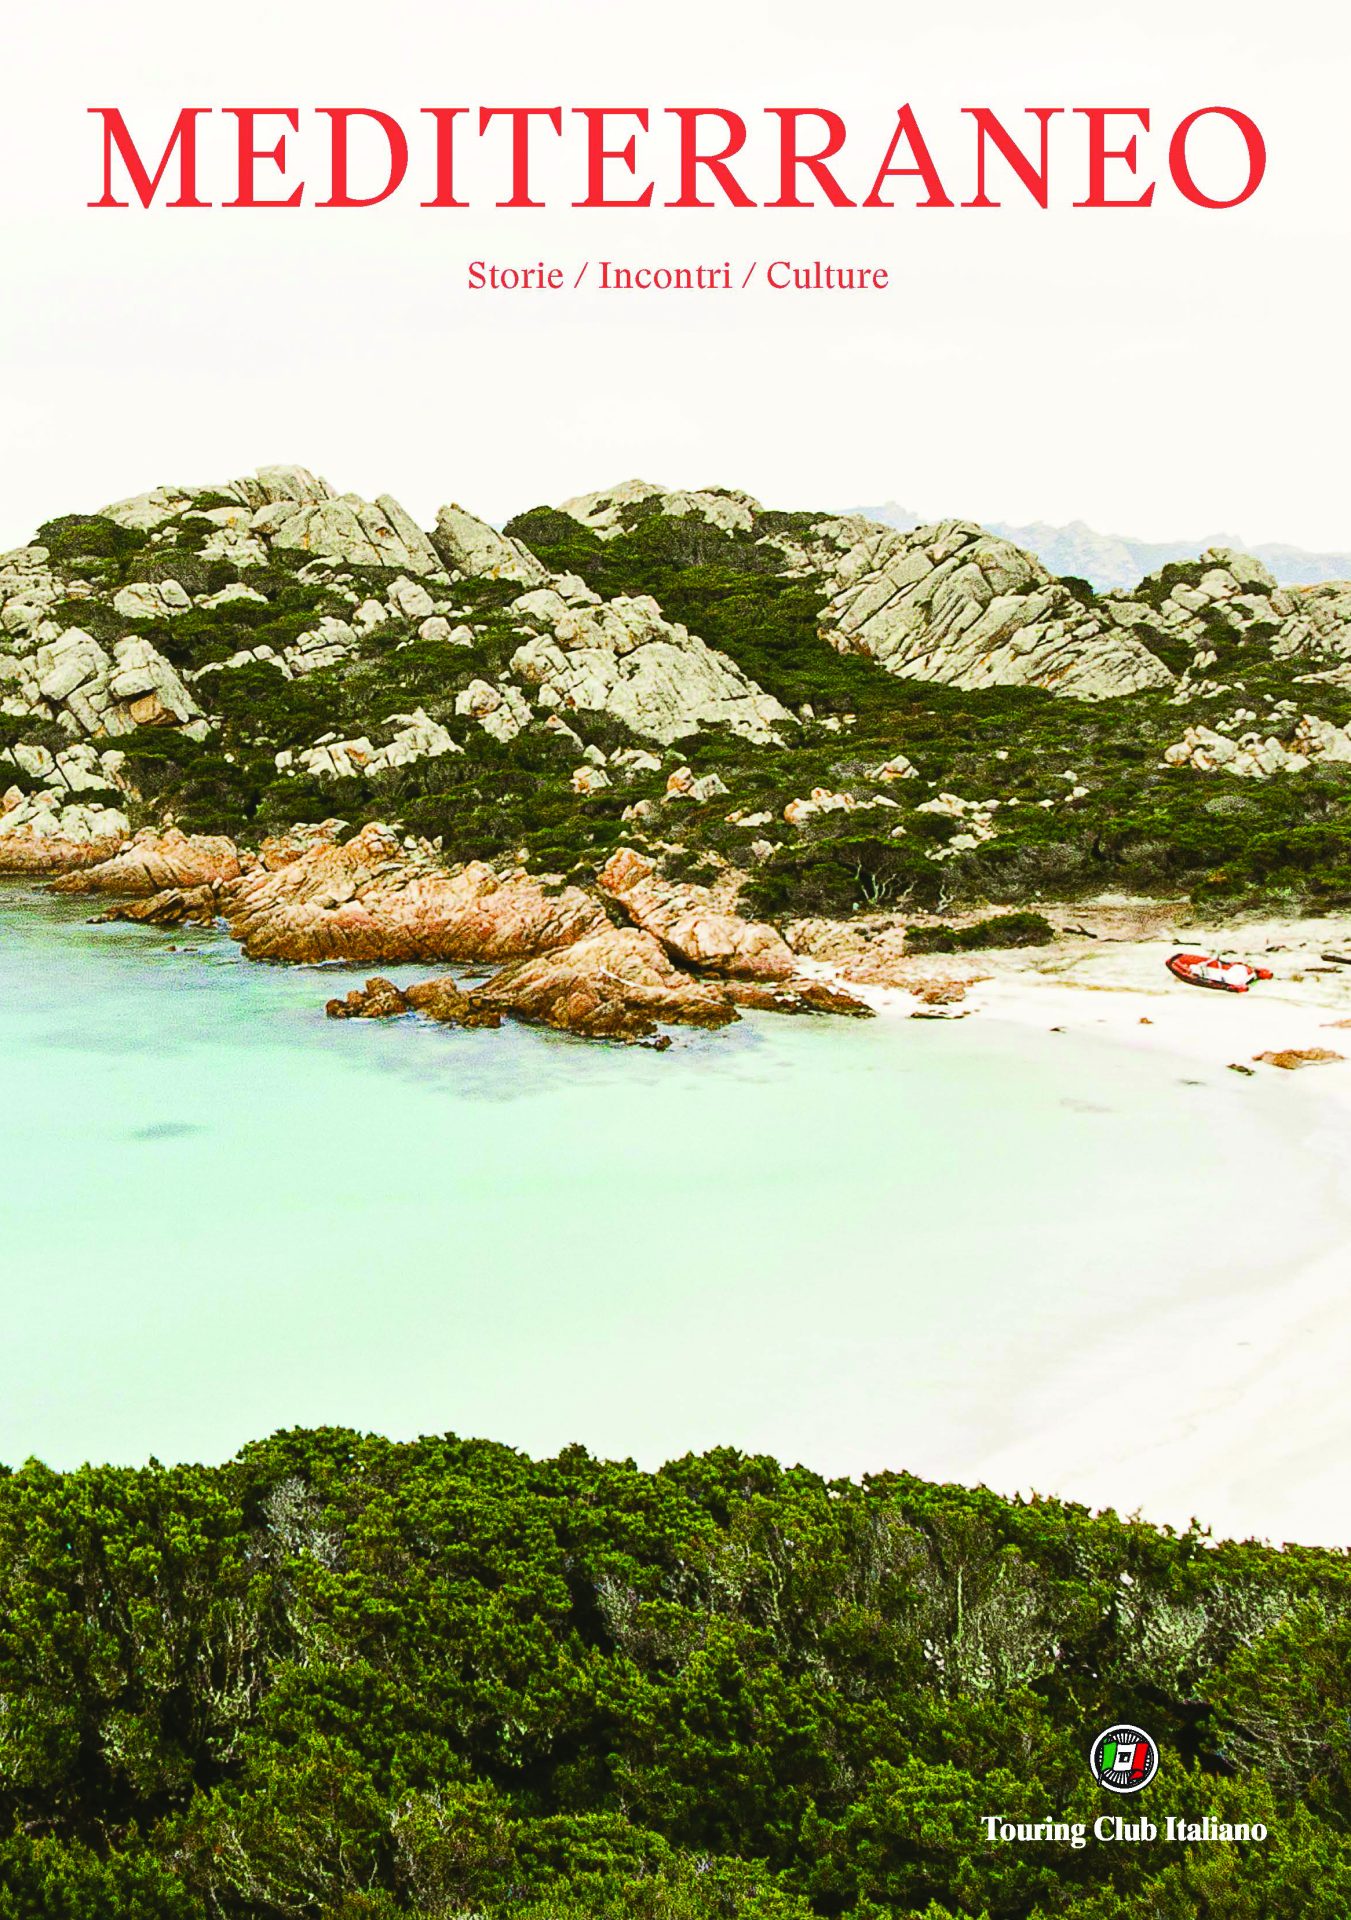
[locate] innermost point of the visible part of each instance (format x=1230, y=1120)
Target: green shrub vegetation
x=1141, y=827
x=340, y=1677
x=1086, y=804
x=1003, y=930
x=80, y=540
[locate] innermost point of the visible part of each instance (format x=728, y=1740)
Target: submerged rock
x=613, y=985
x=797, y=996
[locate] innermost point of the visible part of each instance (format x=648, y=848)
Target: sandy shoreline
x=1248, y=1423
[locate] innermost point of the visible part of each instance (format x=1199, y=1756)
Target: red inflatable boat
x=1204, y=970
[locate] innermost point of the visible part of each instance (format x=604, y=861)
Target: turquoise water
x=852, y=1243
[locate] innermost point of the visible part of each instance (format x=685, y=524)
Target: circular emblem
x=1124, y=1759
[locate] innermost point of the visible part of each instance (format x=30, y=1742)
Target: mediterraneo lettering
x=1094, y=157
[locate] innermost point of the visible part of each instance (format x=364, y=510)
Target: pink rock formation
x=615, y=984
x=154, y=862
x=43, y=855
x=175, y=907
x=691, y=925
x=370, y=900
x=795, y=996
x=442, y=1000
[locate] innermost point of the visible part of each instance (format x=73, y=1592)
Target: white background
x=1156, y=373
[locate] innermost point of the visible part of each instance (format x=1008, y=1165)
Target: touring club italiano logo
x=1124, y=1759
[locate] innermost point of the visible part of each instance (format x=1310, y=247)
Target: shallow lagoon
x=859, y=1244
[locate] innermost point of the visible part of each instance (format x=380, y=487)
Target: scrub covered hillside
x=828, y=713
x=342, y=1679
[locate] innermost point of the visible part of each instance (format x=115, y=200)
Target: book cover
x=675, y=962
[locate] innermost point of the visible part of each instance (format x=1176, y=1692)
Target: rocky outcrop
x=78, y=769
x=1315, y=621
x=822, y=800
x=472, y=546
x=43, y=859
x=1229, y=596
x=502, y=711
x=590, y=779
x=973, y=821
x=625, y=658
x=352, y=532
x=152, y=863
x=280, y=849
x=152, y=600
x=29, y=593
x=897, y=768
x=372, y=900
x=47, y=833
x=614, y=984
x=953, y=604
x=416, y=738
x=175, y=907
x=957, y=603
x=102, y=692
x=59, y=840
x=1254, y=756
x=288, y=507
x=442, y=1000
x=149, y=688
x=349, y=531
x=812, y=546
x=604, y=512
x=692, y=926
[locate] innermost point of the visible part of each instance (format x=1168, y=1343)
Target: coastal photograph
x=871, y=858
x=675, y=963
x=696, y=990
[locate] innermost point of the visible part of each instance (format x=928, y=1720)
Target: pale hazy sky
x=1161, y=373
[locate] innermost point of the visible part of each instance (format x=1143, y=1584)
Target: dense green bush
x=339, y=1677
x=75, y=538
x=171, y=563
x=1155, y=588
x=1003, y=930
x=840, y=874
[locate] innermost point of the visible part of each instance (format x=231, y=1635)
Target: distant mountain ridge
x=1115, y=560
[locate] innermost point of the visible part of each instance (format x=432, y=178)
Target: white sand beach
x=1246, y=1396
